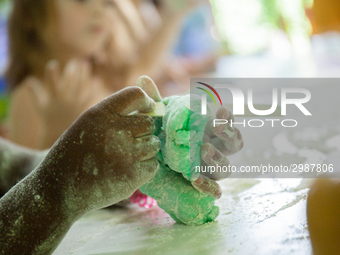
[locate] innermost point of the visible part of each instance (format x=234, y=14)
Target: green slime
x=181, y=133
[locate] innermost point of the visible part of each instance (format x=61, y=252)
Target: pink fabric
x=142, y=200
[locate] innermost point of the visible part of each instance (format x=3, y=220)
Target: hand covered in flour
x=202, y=184
x=102, y=158
x=219, y=142
x=106, y=154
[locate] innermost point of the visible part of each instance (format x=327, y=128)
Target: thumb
x=150, y=88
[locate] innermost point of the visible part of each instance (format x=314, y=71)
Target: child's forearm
x=33, y=216
x=104, y=157
x=16, y=163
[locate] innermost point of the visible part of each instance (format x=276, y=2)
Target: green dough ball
x=173, y=193
x=179, y=199
x=183, y=134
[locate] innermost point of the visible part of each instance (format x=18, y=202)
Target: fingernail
x=226, y=114
x=210, y=153
x=198, y=181
x=141, y=81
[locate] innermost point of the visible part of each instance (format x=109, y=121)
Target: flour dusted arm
x=103, y=158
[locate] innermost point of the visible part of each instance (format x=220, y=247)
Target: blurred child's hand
x=107, y=154
x=62, y=97
x=220, y=142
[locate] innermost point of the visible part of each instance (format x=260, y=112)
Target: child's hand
x=106, y=154
x=63, y=97
x=202, y=184
x=100, y=160
x=220, y=142
x=225, y=138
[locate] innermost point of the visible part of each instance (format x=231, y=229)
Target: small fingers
x=208, y=187
x=138, y=125
x=37, y=92
x=228, y=139
x=224, y=113
x=213, y=157
x=208, y=130
x=206, y=138
x=145, y=171
x=86, y=81
x=75, y=82
x=52, y=76
x=133, y=20
x=147, y=147
x=231, y=137
x=69, y=77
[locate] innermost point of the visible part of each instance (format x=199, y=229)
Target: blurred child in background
x=67, y=55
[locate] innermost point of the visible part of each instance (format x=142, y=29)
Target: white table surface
x=257, y=216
